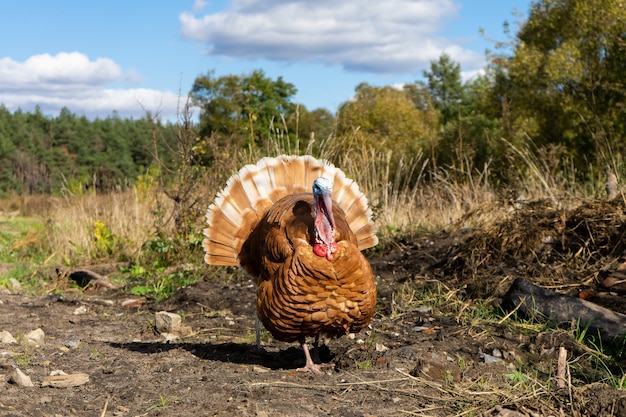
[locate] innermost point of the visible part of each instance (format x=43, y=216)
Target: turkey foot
x=311, y=366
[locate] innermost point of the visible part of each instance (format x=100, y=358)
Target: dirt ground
x=416, y=359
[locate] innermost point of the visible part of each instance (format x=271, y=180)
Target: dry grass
x=73, y=222
x=404, y=199
x=407, y=194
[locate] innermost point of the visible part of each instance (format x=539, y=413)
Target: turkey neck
x=324, y=222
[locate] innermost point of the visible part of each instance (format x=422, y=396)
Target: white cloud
x=74, y=81
x=45, y=70
x=199, y=5
x=393, y=36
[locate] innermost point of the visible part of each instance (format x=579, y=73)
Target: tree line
x=554, y=89
x=41, y=154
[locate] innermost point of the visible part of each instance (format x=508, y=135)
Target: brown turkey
x=302, y=248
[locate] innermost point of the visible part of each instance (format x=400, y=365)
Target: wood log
x=86, y=277
x=561, y=310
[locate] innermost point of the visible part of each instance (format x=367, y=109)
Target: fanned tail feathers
x=255, y=188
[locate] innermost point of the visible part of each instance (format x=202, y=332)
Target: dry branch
x=85, y=277
x=545, y=305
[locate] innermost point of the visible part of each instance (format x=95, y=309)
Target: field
x=440, y=344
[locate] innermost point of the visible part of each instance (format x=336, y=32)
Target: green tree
x=316, y=124
x=567, y=76
x=469, y=115
x=445, y=87
x=245, y=106
x=8, y=151
x=385, y=119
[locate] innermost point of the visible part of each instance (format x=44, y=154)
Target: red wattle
x=319, y=250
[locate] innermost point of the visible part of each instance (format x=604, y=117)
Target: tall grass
x=407, y=194
x=74, y=224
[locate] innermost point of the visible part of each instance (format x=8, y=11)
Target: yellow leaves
x=565, y=63
x=385, y=118
x=104, y=240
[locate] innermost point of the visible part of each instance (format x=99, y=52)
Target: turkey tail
x=255, y=188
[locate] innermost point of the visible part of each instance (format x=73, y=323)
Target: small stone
x=170, y=337
x=166, y=322
x=73, y=342
x=65, y=381
x=20, y=379
x=134, y=302
x=420, y=328
x=436, y=368
x=57, y=372
x=381, y=348
x=15, y=286
x=487, y=358
x=45, y=399
x=37, y=336
x=7, y=338
x=80, y=310
x=405, y=352
x=106, y=303
x=121, y=410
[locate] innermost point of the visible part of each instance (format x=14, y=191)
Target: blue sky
x=97, y=57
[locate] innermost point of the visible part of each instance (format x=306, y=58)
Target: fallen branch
x=86, y=277
x=559, y=309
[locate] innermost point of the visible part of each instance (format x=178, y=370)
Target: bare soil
x=423, y=359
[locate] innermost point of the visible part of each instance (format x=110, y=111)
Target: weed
x=95, y=354
x=162, y=402
x=24, y=358
x=161, y=285
x=366, y=364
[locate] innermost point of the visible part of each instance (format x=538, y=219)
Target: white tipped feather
x=255, y=188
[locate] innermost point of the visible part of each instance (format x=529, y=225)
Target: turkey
x=302, y=248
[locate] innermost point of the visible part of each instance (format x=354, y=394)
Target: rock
x=15, y=286
x=436, y=367
x=72, y=343
x=37, y=336
x=20, y=379
x=381, y=348
x=80, y=310
x=166, y=322
x=487, y=358
x=424, y=309
x=57, y=372
x=65, y=381
x=134, y=302
x=420, y=328
x=106, y=303
x=7, y=338
x=170, y=337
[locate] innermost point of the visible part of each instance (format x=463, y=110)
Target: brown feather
x=263, y=221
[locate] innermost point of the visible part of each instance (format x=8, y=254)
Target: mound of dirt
x=569, y=250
